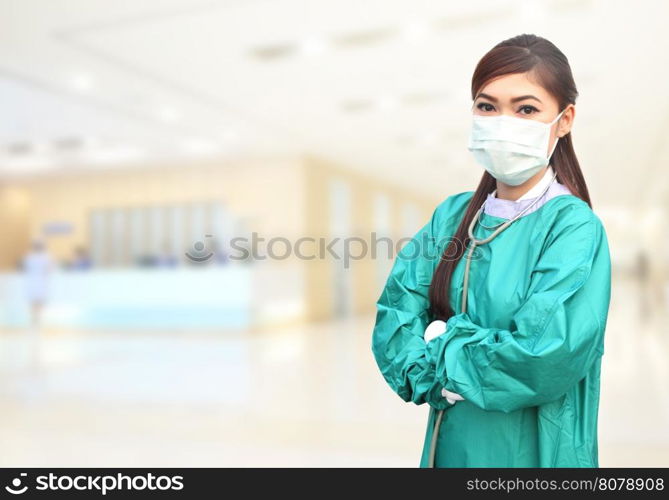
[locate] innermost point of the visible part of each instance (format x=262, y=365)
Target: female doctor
x=494, y=313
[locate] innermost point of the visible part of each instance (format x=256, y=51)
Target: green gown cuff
x=434, y=397
x=459, y=331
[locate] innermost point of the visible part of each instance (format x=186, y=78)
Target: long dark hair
x=520, y=54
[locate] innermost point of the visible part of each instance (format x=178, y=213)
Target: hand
x=451, y=397
x=434, y=329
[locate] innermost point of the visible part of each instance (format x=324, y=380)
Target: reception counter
x=181, y=298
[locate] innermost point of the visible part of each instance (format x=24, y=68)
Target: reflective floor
x=292, y=396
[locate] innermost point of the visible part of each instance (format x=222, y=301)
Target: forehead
x=509, y=86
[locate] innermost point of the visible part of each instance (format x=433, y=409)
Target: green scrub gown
x=525, y=356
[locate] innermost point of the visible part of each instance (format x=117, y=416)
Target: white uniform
x=36, y=268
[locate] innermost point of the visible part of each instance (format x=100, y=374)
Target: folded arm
x=556, y=334
x=401, y=353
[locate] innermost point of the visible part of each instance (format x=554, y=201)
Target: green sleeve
x=556, y=334
x=402, y=316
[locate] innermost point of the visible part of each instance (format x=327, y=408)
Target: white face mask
x=512, y=149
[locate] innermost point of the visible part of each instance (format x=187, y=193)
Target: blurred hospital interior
x=159, y=161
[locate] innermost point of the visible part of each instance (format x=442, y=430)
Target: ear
x=566, y=121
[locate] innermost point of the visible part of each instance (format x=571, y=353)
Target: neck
x=508, y=192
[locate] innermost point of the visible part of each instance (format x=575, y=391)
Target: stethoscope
x=465, y=285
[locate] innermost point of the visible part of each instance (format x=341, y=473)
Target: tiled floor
x=298, y=396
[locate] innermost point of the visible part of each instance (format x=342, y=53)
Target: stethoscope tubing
x=465, y=286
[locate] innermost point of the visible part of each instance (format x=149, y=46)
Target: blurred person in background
x=166, y=257
x=220, y=256
x=643, y=275
x=37, y=266
x=652, y=283
x=82, y=261
x=505, y=345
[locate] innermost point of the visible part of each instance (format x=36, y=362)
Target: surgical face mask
x=512, y=149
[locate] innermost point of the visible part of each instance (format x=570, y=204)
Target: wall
x=267, y=193
x=319, y=173
x=15, y=215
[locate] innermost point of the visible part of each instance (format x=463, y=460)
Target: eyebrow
x=515, y=99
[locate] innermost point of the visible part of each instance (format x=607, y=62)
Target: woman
x=37, y=266
x=511, y=367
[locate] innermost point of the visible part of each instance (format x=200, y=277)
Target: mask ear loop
x=557, y=138
x=553, y=150
x=558, y=116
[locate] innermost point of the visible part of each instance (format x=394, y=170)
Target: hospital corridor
x=201, y=203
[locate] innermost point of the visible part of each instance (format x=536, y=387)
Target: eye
x=531, y=109
x=483, y=106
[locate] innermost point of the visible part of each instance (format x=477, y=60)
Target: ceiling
x=380, y=86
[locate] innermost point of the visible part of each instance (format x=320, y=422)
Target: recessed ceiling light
x=68, y=144
x=271, y=52
x=19, y=148
x=357, y=105
x=363, y=38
